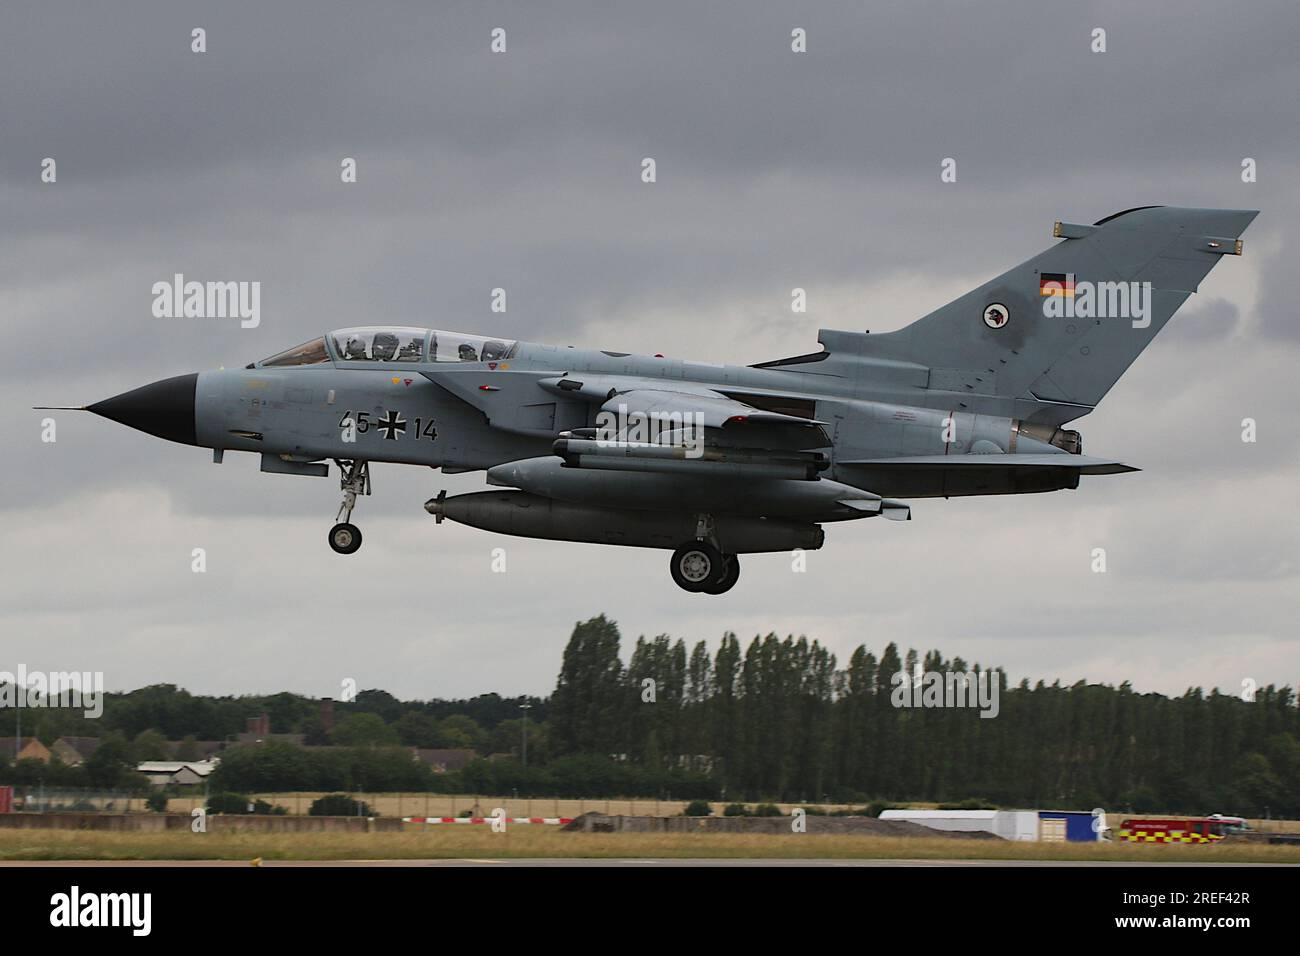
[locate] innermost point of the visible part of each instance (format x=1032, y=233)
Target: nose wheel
x=345, y=537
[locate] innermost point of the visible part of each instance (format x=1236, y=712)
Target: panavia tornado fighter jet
x=714, y=461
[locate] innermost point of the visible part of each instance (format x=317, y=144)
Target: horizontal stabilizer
x=896, y=510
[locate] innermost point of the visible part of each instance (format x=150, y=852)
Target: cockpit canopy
x=391, y=344
x=374, y=344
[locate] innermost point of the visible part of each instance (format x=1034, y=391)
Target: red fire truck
x=1170, y=830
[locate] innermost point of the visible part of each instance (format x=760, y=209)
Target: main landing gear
x=700, y=566
x=345, y=537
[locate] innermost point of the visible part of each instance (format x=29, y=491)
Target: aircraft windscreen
x=309, y=353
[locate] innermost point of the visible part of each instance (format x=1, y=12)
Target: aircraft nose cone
x=165, y=408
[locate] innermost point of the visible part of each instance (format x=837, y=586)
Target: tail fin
x=1028, y=334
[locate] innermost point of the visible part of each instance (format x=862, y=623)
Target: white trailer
x=1008, y=824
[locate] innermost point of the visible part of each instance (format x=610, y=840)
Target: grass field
x=524, y=841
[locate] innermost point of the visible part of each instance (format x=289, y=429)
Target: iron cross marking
x=391, y=424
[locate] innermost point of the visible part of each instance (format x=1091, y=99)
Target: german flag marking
x=1056, y=283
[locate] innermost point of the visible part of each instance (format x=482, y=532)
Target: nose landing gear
x=345, y=537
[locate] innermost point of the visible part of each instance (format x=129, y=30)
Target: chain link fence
x=39, y=799
x=71, y=800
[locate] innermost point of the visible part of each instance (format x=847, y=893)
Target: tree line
x=776, y=719
x=779, y=719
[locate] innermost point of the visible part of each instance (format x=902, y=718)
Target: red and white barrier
x=552, y=821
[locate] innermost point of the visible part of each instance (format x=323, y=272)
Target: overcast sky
x=522, y=170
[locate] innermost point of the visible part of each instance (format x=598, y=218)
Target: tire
x=345, y=538
x=695, y=565
x=730, y=575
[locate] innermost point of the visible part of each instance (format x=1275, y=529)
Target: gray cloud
x=775, y=170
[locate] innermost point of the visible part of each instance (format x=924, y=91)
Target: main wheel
x=695, y=565
x=730, y=575
x=345, y=538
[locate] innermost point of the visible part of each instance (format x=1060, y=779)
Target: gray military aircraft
x=714, y=461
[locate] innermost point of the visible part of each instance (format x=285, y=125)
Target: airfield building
x=1023, y=825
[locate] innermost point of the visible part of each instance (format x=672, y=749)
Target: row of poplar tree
x=779, y=718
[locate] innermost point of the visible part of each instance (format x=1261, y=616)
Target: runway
x=582, y=862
